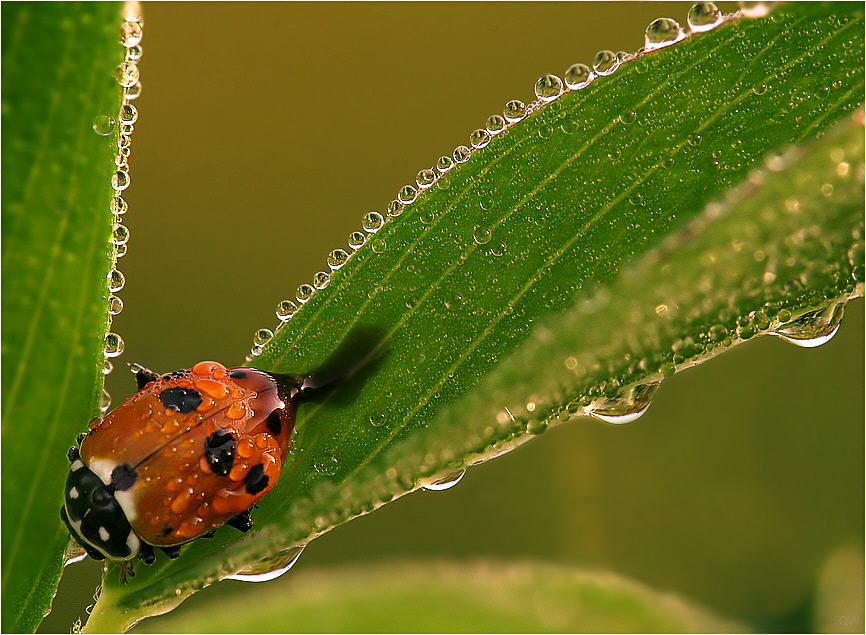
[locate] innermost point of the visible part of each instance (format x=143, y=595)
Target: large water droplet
x=481, y=235
x=577, y=76
x=444, y=164
x=103, y=124
x=425, y=178
x=118, y=206
x=321, y=279
x=704, y=16
x=128, y=114
x=305, y=292
x=628, y=407
x=373, y=221
x=661, y=33
x=548, y=88
x=286, y=309
x=357, y=240
x=130, y=33
x=814, y=328
x=479, y=138
x=408, y=194
x=115, y=280
x=605, y=63
x=74, y=553
x=126, y=74
x=115, y=305
x=120, y=180
x=337, y=259
x=515, y=110
x=113, y=345
x=461, y=154
x=496, y=124
x=378, y=418
x=269, y=568
x=446, y=482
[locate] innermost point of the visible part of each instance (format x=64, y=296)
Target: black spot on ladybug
x=256, y=480
x=219, y=451
x=237, y=374
x=182, y=400
x=183, y=372
x=275, y=424
x=166, y=531
x=123, y=477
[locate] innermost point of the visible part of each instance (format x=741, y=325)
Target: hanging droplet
x=126, y=74
x=495, y=124
x=704, y=16
x=262, y=336
x=548, y=88
x=269, y=568
x=625, y=408
x=107, y=367
x=605, y=63
x=286, y=309
x=128, y=114
x=117, y=206
x=120, y=180
x=395, y=208
x=115, y=305
x=113, y=345
x=321, y=279
x=305, y=292
x=337, y=259
x=444, y=164
x=115, y=280
x=661, y=33
x=103, y=124
x=814, y=328
x=373, y=221
x=425, y=178
x=104, y=401
x=578, y=76
x=133, y=92
x=515, y=110
x=446, y=482
x=461, y=154
x=130, y=33
x=407, y=195
x=120, y=235
x=357, y=240
x=479, y=138
x=133, y=53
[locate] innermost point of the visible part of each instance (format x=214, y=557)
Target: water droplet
x=115, y=305
x=103, y=124
x=661, y=33
x=703, y=16
x=107, y=367
x=130, y=33
x=545, y=132
x=115, y=280
x=759, y=88
x=327, y=465
x=628, y=117
x=134, y=91
x=481, y=235
x=444, y=164
x=814, y=328
x=305, y=292
x=133, y=53
x=74, y=553
x=614, y=154
x=568, y=127
x=515, y=110
x=337, y=259
x=357, y=240
x=262, y=336
x=128, y=114
x=126, y=74
x=462, y=154
x=373, y=221
x=378, y=245
x=269, y=568
x=120, y=235
x=286, y=309
x=605, y=63
x=578, y=76
x=104, y=401
x=377, y=419
x=321, y=279
x=479, y=138
x=425, y=178
x=117, y=206
x=625, y=408
x=754, y=9
x=113, y=345
x=408, y=194
x=695, y=139
x=395, y=208
x=548, y=88
x=120, y=180
x=446, y=482
x=119, y=251
x=495, y=124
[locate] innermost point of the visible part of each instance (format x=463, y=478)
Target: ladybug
x=191, y=451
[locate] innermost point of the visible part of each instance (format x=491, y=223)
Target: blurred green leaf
x=560, y=202
x=58, y=75
x=484, y=597
x=839, y=596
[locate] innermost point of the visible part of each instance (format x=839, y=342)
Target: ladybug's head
x=95, y=518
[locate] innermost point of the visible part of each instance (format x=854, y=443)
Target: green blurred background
x=267, y=130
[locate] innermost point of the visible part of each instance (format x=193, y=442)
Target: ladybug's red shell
x=192, y=449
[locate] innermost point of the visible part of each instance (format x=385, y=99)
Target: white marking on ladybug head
x=103, y=534
x=73, y=492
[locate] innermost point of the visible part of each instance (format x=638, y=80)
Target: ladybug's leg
x=126, y=570
x=143, y=376
x=171, y=552
x=242, y=522
x=145, y=553
x=73, y=455
x=80, y=438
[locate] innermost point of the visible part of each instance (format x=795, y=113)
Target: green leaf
x=58, y=74
x=482, y=597
x=571, y=195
